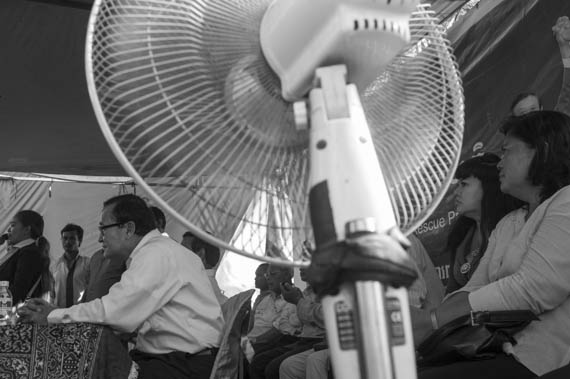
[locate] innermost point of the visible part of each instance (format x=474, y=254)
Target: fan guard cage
x=192, y=111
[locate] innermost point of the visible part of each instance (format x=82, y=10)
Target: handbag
x=479, y=335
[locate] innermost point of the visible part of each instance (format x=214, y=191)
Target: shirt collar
x=150, y=235
x=68, y=258
x=26, y=242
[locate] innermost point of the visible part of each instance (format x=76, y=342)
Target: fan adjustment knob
x=301, y=115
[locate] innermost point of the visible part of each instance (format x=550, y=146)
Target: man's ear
x=130, y=226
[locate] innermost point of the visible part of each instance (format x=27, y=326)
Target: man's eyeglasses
x=270, y=274
x=102, y=228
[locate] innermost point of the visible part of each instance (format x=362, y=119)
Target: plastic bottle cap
x=4, y=283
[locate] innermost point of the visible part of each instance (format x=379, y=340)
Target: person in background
x=530, y=102
x=159, y=219
x=285, y=328
x=480, y=204
x=309, y=313
x=526, y=265
x=561, y=32
x=27, y=268
x=103, y=273
x=71, y=270
x=164, y=295
x=187, y=239
x=262, y=312
x=524, y=103
x=425, y=293
x=210, y=256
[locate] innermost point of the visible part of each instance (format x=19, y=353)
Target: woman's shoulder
x=512, y=218
x=561, y=196
x=31, y=250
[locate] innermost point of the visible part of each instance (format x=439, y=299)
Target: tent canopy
x=503, y=47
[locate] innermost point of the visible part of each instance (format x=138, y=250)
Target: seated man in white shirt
x=164, y=295
x=263, y=310
x=286, y=326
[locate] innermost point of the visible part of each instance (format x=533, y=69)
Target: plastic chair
x=229, y=360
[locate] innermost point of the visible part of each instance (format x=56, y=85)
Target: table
x=79, y=351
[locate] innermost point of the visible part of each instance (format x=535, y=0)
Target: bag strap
x=486, y=317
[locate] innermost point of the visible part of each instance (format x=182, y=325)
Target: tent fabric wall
x=48, y=124
x=66, y=202
x=81, y=203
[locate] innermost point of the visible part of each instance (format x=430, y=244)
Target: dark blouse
x=22, y=270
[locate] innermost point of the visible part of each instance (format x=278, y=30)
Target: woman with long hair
x=480, y=204
x=527, y=265
x=27, y=268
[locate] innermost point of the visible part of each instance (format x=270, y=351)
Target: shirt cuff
x=55, y=316
x=486, y=298
x=566, y=62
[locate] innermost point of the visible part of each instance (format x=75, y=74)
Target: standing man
x=164, y=295
x=72, y=270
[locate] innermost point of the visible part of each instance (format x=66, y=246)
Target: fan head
x=192, y=110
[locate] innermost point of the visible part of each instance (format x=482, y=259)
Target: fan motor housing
x=298, y=36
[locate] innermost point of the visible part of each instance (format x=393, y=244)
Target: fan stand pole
x=368, y=323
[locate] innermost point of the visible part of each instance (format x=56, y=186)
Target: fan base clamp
x=364, y=257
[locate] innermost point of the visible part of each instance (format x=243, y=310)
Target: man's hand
x=35, y=311
x=290, y=293
x=561, y=32
x=247, y=349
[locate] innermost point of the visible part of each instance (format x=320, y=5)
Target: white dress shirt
x=80, y=276
x=164, y=295
x=287, y=321
x=262, y=314
x=527, y=266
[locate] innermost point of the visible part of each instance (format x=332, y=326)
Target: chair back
x=229, y=358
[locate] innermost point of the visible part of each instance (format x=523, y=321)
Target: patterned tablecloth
x=79, y=351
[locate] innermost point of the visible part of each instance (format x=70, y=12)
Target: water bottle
x=5, y=303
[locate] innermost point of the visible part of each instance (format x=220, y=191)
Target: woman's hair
x=494, y=204
x=36, y=223
x=548, y=133
x=47, y=281
x=32, y=219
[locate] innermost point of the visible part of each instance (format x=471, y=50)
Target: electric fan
x=217, y=108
